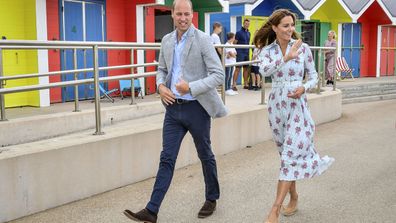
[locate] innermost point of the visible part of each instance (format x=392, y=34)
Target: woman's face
x=330, y=36
x=285, y=29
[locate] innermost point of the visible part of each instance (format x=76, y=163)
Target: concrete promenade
x=359, y=187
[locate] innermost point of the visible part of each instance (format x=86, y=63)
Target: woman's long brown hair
x=265, y=35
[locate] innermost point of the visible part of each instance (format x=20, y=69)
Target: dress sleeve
x=309, y=66
x=268, y=64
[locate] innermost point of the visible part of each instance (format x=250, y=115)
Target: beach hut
x=386, y=50
x=24, y=20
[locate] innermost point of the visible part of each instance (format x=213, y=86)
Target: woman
x=330, y=54
x=285, y=58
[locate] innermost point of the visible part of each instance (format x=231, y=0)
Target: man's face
x=182, y=16
x=246, y=24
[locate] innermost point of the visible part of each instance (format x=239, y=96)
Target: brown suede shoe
x=207, y=209
x=141, y=216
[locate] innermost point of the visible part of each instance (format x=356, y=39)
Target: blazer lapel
x=189, y=41
x=170, y=51
x=171, y=48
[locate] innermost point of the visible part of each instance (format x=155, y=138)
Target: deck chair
x=125, y=86
x=106, y=94
x=342, y=66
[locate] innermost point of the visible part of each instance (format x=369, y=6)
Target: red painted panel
x=144, y=1
x=116, y=32
x=130, y=18
x=150, y=54
x=195, y=19
x=370, y=20
x=53, y=55
x=387, y=53
x=391, y=52
x=364, y=53
x=384, y=43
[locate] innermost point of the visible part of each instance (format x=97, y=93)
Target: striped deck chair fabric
x=342, y=66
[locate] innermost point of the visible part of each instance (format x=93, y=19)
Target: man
x=217, y=29
x=242, y=37
x=188, y=73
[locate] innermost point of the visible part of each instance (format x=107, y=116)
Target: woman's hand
x=294, y=51
x=296, y=94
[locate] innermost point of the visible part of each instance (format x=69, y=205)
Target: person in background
x=255, y=75
x=242, y=37
x=217, y=29
x=285, y=58
x=330, y=57
x=230, y=58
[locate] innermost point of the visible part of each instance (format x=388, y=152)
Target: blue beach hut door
x=352, y=45
x=81, y=21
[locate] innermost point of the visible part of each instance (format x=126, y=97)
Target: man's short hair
x=246, y=20
x=189, y=2
x=216, y=25
x=230, y=35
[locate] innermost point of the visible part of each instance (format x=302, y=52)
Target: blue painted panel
x=94, y=32
x=73, y=14
x=356, y=43
x=351, y=36
x=267, y=7
x=73, y=32
x=224, y=19
x=237, y=10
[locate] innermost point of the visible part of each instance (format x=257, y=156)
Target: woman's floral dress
x=290, y=119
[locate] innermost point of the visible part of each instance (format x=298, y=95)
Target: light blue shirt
x=176, y=66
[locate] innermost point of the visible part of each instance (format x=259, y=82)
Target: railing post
x=97, y=93
x=320, y=75
x=132, y=79
x=224, y=68
x=85, y=73
x=263, y=90
x=76, y=105
x=324, y=69
x=2, y=103
x=335, y=74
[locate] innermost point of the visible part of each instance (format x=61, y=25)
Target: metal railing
x=322, y=67
x=96, y=46
x=74, y=45
x=321, y=72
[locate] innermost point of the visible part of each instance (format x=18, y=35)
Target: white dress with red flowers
x=290, y=119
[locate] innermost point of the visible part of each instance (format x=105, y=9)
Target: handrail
x=5, y=78
x=74, y=82
x=96, y=46
x=75, y=43
x=39, y=47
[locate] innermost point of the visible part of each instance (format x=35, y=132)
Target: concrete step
x=52, y=125
x=369, y=98
x=369, y=92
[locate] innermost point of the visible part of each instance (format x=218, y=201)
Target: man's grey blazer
x=200, y=67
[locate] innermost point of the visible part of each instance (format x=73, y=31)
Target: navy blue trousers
x=180, y=118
